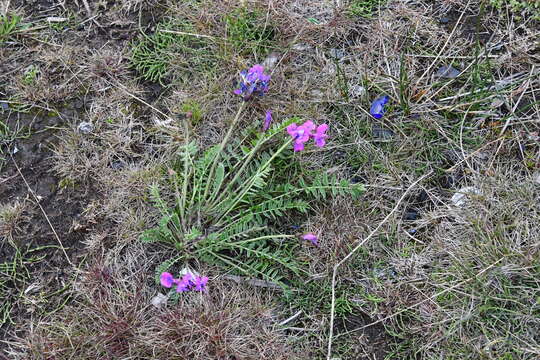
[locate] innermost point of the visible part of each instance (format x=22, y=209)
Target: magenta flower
x=267, y=120
x=253, y=81
x=301, y=134
x=185, y=283
x=320, y=136
x=166, y=279
x=311, y=237
x=200, y=283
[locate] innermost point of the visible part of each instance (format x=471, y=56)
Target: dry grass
x=112, y=318
x=445, y=282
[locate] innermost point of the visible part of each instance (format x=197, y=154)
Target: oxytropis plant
x=230, y=204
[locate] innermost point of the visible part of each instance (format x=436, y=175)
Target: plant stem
x=221, y=147
x=185, y=179
x=250, y=182
x=241, y=170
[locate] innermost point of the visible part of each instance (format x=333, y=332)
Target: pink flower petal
x=311, y=237
x=321, y=129
x=309, y=126
x=166, y=279
x=298, y=146
x=200, y=283
x=291, y=129
x=185, y=283
x=319, y=141
x=267, y=120
x=302, y=135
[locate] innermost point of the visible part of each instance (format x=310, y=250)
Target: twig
x=286, y=321
x=351, y=253
x=253, y=282
x=498, y=85
x=7, y=7
x=42, y=210
x=446, y=43
x=187, y=33
x=7, y=179
x=449, y=170
x=87, y=7
x=431, y=298
x=123, y=88
x=507, y=122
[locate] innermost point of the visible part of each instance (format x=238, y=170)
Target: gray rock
x=356, y=91
x=447, y=72
x=382, y=133
x=337, y=53
x=85, y=127
x=464, y=194
x=444, y=20
x=159, y=300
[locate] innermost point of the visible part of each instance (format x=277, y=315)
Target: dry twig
x=42, y=210
x=353, y=251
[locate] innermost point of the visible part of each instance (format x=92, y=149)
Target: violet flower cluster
x=253, y=82
x=302, y=133
x=187, y=282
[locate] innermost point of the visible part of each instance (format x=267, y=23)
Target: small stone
x=461, y=197
x=85, y=127
x=447, y=72
x=271, y=61
x=301, y=47
x=55, y=19
x=497, y=102
x=450, y=181
x=444, y=20
x=357, y=180
x=33, y=288
x=357, y=91
x=78, y=104
x=117, y=165
x=159, y=300
x=337, y=53
x=382, y=133
x=411, y=215
x=422, y=197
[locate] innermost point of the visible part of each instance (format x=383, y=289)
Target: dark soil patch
x=33, y=158
x=471, y=26
x=60, y=203
x=374, y=336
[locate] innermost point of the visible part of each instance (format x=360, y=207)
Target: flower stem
x=221, y=147
x=250, y=182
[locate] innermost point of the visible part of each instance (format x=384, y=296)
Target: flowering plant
x=253, y=82
x=228, y=198
x=301, y=134
x=188, y=282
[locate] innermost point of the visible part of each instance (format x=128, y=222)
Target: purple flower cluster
x=185, y=283
x=302, y=133
x=253, y=82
